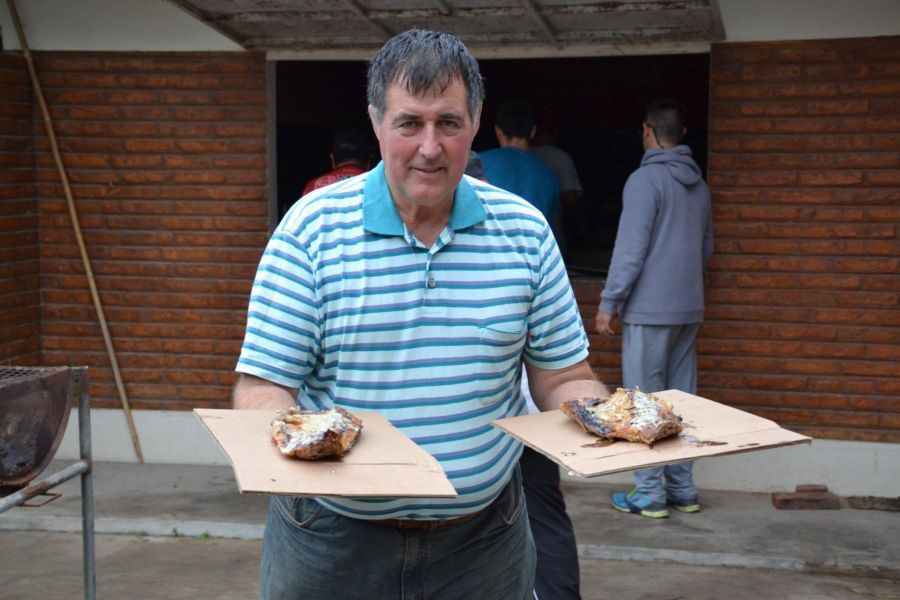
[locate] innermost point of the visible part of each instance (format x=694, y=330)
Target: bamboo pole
x=57, y=158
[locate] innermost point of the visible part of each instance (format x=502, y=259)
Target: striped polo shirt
x=351, y=309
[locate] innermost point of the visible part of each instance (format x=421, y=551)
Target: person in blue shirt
x=515, y=169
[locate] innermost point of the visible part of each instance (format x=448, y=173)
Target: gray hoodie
x=663, y=243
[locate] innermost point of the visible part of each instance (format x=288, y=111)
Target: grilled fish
x=312, y=434
x=627, y=414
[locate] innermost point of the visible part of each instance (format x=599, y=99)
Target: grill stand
x=78, y=381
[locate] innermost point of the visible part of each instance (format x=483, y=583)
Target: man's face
x=425, y=141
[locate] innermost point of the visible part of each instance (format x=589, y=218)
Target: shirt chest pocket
x=503, y=337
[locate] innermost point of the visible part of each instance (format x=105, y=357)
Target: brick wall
x=19, y=260
x=166, y=157
x=803, y=325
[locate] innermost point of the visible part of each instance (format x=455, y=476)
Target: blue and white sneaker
x=685, y=505
x=640, y=504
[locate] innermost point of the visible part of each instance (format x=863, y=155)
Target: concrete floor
x=48, y=565
x=175, y=531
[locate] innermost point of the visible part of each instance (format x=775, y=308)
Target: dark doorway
x=599, y=104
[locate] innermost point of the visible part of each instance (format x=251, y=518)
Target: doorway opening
x=598, y=102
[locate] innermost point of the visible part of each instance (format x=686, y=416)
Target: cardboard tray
x=383, y=463
x=710, y=429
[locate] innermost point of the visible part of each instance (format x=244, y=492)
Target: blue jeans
x=656, y=358
x=312, y=553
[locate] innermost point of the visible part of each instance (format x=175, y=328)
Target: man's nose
x=430, y=146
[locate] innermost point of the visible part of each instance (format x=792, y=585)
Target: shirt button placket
x=430, y=282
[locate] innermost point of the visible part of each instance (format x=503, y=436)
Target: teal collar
x=380, y=214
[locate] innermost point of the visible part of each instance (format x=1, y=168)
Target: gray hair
x=420, y=59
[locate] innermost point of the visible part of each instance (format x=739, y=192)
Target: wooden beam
x=541, y=18
x=362, y=12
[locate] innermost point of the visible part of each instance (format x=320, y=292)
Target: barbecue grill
x=34, y=409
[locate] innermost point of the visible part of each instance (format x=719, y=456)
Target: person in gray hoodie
x=655, y=286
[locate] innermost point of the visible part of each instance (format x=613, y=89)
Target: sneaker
x=640, y=504
x=688, y=505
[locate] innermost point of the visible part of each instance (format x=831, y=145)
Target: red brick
x=891, y=177
x=805, y=53
x=885, y=106
x=870, y=88
x=805, y=90
x=838, y=71
x=186, y=130
x=885, y=142
x=837, y=107
x=151, y=146
x=876, y=124
x=771, y=72
x=812, y=500
x=740, y=125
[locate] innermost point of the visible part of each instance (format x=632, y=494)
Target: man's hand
x=602, y=322
x=550, y=388
x=254, y=393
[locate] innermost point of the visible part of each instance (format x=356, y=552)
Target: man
x=569, y=218
x=516, y=170
x=512, y=167
x=412, y=293
x=655, y=285
x=350, y=156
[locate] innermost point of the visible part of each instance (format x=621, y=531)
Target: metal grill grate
x=34, y=410
x=11, y=375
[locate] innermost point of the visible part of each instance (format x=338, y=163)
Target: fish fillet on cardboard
x=710, y=429
x=384, y=463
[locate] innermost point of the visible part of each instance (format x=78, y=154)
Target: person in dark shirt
x=515, y=169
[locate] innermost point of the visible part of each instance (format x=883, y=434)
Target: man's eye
x=451, y=126
x=408, y=126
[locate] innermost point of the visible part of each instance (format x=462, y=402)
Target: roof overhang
x=356, y=29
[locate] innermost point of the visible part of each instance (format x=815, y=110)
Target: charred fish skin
x=588, y=418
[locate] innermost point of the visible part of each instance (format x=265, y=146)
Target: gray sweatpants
x=656, y=358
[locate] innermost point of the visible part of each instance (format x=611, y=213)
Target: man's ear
x=477, y=122
x=533, y=132
x=500, y=136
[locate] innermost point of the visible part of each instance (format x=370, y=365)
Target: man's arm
x=253, y=393
x=551, y=387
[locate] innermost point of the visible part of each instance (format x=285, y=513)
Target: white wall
x=114, y=25
x=766, y=20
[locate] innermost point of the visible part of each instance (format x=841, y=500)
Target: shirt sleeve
x=556, y=336
x=283, y=336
